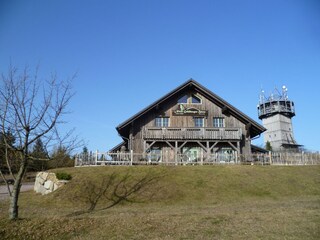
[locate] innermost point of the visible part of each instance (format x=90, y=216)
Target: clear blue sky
x=130, y=53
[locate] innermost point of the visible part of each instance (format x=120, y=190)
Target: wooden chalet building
x=189, y=121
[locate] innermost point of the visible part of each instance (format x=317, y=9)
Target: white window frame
x=195, y=121
x=162, y=121
x=218, y=122
x=155, y=155
x=196, y=96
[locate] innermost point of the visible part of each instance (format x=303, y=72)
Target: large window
x=162, y=122
x=155, y=155
x=195, y=99
x=226, y=154
x=190, y=99
x=198, y=122
x=183, y=99
x=218, y=122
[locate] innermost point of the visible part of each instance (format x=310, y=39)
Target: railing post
x=131, y=157
x=236, y=153
x=96, y=159
x=270, y=157
x=76, y=160
x=176, y=153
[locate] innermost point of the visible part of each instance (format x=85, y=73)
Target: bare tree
x=30, y=109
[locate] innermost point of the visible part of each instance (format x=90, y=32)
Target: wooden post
x=96, y=159
x=201, y=157
x=238, y=147
x=144, y=149
x=130, y=140
x=236, y=157
x=270, y=157
x=176, y=153
x=208, y=152
x=76, y=160
x=131, y=157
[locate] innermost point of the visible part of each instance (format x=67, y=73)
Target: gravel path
x=4, y=191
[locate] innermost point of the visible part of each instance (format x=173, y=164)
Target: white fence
x=287, y=158
x=130, y=158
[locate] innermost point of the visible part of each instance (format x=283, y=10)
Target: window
x=218, y=122
x=191, y=99
x=195, y=99
x=198, y=122
x=162, y=122
x=183, y=99
x=226, y=154
x=155, y=155
x=191, y=154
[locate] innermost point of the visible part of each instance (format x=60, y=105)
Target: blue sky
x=128, y=54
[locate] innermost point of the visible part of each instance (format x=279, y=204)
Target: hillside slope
x=210, y=183
x=183, y=202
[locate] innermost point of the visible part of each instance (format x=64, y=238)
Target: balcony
x=276, y=107
x=158, y=133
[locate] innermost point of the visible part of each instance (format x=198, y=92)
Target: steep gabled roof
x=255, y=128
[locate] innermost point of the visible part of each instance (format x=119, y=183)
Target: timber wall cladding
x=166, y=109
x=185, y=121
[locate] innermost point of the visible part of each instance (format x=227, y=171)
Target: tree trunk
x=14, y=208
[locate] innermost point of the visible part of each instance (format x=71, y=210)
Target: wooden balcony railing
x=157, y=133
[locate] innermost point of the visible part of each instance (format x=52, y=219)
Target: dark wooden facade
x=168, y=126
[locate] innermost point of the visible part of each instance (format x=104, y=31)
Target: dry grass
x=209, y=202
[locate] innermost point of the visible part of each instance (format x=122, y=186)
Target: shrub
x=63, y=176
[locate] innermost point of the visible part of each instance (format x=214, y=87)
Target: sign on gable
x=189, y=111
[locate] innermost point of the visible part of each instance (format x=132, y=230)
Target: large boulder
x=47, y=182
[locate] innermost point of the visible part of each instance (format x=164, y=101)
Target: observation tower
x=276, y=112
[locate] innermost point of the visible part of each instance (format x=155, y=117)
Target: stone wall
x=47, y=182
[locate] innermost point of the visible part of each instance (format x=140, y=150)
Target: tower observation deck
x=276, y=112
x=276, y=103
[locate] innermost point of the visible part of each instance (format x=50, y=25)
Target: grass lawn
x=186, y=202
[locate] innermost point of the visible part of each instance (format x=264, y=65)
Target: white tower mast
x=276, y=112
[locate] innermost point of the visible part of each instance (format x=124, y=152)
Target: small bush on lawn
x=63, y=176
